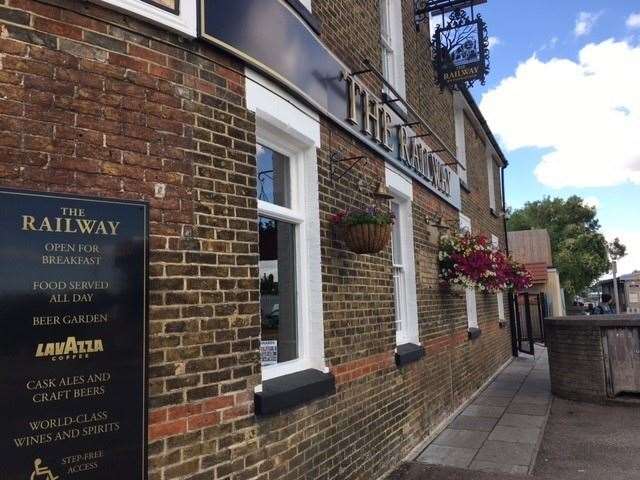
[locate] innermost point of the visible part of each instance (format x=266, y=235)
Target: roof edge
x=483, y=122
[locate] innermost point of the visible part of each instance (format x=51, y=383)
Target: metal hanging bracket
x=336, y=159
x=409, y=124
x=392, y=100
x=361, y=72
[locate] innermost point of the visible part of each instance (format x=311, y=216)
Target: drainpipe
x=512, y=321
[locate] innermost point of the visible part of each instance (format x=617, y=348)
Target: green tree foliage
x=616, y=249
x=580, y=252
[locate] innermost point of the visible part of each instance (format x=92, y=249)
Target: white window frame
x=495, y=243
x=472, y=308
x=288, y=127
x=461, y=144
x=185, y=22
x=401, y=188
x=392, y=41
x=490, y=179
x=307, y=4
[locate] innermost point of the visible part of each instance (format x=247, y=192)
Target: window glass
x=388, y=70
x=273, y=177
x=399, y=274
x=277, y=291
x=396, y=243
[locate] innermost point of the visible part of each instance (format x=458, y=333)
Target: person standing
x=604, y=307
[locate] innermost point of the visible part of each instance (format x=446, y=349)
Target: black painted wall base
x=474, y=333
x=292, y=390
x=408, y=353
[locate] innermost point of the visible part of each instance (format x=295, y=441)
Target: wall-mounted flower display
x=365, y=231
x=470, y=261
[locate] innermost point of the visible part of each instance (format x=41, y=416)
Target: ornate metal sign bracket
x=336, y=159
x=460, y=46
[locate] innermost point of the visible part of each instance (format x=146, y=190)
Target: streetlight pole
x=614, y=267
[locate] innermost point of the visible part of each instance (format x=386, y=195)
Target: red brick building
x=234, y=134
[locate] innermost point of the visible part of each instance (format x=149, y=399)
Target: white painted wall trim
x=184, y=23
x=398, y=183
x=284, y=122
x=402, y=188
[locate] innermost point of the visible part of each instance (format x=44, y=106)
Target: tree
x=616, y=249
x=580, y=252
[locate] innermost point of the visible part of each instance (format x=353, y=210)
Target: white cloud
x=494, y=41
x=585, y=23
x=633, y=20
x=586, y=112
x=591, y=201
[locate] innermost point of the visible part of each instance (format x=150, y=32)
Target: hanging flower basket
x=470, y=261
x=365, y=231
x=367, y=238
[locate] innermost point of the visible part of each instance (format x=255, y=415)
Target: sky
x=563, y=99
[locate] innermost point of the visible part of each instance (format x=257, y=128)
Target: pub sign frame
x=460, y=50
x=75, y=405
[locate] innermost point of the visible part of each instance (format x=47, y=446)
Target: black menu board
x=73, y=341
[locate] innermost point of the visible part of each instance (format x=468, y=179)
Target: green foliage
x=616, y=249
x=372, y=215
x=580, y=252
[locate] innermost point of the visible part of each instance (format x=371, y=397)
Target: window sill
x=465, y=186
x=493, y=212
x=408, y=353
x=309, y=18
x=292, y=390
x=474, y=333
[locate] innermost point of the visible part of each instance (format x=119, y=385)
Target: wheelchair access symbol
x=42, y=472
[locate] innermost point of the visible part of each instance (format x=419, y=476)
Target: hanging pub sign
x=461, y=50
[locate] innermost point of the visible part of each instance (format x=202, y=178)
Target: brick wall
x=576, y=360
x=97, y=103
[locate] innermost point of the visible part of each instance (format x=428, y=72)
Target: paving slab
x=528, y=409
x=499, y=467
x=420, y=471
x=590, y=442
x=461, y=438
x=500, y=392
x=506, y=452
x=483, y=411
x=532, y=399
x=491, y=401
x=517, y=420
x=444, y=455
x=468, y=422
x=498, y=433
x=515, y=434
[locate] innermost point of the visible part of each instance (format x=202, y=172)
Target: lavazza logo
x=70, y=349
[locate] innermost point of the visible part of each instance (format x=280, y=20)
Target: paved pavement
x=501, y=430
x=590, y=442
x=581, y=441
